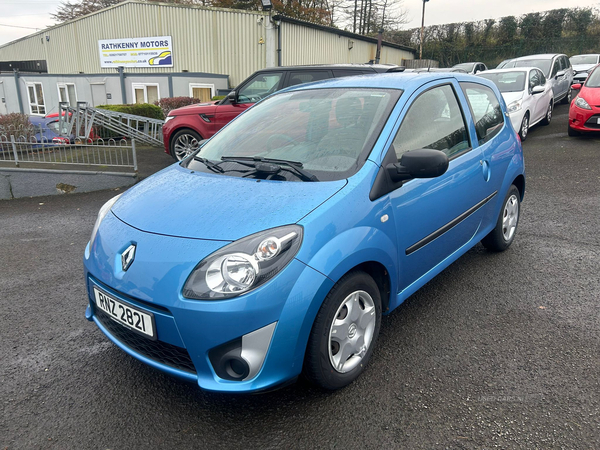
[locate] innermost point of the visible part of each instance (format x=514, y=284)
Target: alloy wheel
x=524, y=127
x=510, y=217
x=185, y=145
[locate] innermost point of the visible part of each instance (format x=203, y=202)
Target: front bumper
x=516, y=118
x=584, y=119
x=188, y=330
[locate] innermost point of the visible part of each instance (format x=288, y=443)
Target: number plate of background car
x=132, y=318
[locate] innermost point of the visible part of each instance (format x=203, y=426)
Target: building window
x=36, y=99
x=203, y=92
x=146, y=93
x=67, y=93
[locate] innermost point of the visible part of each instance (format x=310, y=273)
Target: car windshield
x=593, y=81
x=507, y=81
x=542, y=64
x=584, y=59
x=465, y=66
x=329, y=132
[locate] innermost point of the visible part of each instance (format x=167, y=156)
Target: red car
x=185, y=127
x=584, y=114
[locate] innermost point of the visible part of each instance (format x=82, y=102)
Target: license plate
x=136, y=320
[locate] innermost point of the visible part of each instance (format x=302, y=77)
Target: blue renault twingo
x=274, y=250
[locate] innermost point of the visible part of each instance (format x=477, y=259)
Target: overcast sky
x=36, y=13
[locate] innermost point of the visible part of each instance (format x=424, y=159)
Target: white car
x=471, y=67
x=528, y=96
x=582, y=65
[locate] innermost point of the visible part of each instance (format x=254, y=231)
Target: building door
x=98, y=94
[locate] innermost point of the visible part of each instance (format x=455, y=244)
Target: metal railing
x=99, y=153
x=85, y=122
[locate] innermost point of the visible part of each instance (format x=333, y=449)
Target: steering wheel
x=272, y=141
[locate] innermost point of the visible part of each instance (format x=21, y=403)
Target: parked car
x=555, y=67
x=437, y=70
x=290, y=232
x=47, y=131
x=582, y=65
x=185, y=127
x=471, y=67
x=528, y=96
x=584, y=113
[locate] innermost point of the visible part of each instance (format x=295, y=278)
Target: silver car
x=555, y=67
x=582, y=65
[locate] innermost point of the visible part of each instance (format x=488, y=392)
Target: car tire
x=524, y=130
x=344, y=332
x=503, y=234
x=567, y=99
x=572, y=132
x=183, y=143
x=548, y=118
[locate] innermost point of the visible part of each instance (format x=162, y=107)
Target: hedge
x=141, y=109
x=170, y=103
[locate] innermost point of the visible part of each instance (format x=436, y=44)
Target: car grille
x=158, y=351
x=593, y=122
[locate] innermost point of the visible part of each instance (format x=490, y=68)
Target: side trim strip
x=426, y=240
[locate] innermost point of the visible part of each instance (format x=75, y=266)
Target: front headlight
x=244, y=264
x=102, y=214
x=169, y=118
x=514, y=106
x=581, y=103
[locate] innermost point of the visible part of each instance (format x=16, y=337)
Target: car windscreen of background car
x=327, y=130
x=507, y=81
x=468, y=67
x=593, y=80
x=584, y=59
x=542, y=64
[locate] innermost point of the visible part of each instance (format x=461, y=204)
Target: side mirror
x=576, y=86
x=538, y=90
x=422, y=163
x=560, y=73
x=232, y=97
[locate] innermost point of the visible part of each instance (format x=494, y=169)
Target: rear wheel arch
x=519, y=182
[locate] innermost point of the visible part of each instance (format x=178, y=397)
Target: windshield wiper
x=215, y=167
x=272, y=165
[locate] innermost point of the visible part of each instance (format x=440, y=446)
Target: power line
x=16, y=26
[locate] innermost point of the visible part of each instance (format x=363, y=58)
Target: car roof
x=374, y=67
x=540, y=56
x=511, y=69
x=396, y=80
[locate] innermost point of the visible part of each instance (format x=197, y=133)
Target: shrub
x=139, y=109
x=171, y=103
x=219, y=97
x=16, y=123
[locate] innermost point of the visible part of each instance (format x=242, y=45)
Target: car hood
x=582, y=67
x=197, y=108
x=591, y=95
x=182, y=203
x=510, y=97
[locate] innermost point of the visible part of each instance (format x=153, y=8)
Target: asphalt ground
x=499, y=351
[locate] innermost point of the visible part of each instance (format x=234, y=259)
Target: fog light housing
x=241, y=359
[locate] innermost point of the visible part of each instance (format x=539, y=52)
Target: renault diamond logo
x=127, y=257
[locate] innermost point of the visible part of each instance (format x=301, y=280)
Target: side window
x=259, y=87
x=534, y=79
x=486, y=109
x=555, y=67
x=435, y=121
x=339, y=73
x=307, y=76
x=542, y=77
x=566, y=62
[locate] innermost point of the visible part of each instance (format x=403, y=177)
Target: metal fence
x=99, y=153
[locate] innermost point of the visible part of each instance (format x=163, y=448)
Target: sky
x=36, y=13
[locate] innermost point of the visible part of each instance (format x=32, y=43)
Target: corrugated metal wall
x=204, y=40
x=303, y=45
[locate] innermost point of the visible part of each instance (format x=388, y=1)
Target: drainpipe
x=378, y=54
x=170, y=78
x=279, y=44
x=122, y=80
x=16, y=72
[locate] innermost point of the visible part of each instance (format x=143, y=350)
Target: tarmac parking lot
x=498, y=351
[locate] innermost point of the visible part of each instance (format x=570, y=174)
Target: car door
x=256, y=88
x=435, y=217
x=538, y=103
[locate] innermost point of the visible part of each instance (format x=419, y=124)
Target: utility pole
x=422, y=28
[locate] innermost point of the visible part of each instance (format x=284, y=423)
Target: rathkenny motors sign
x=136, y=52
